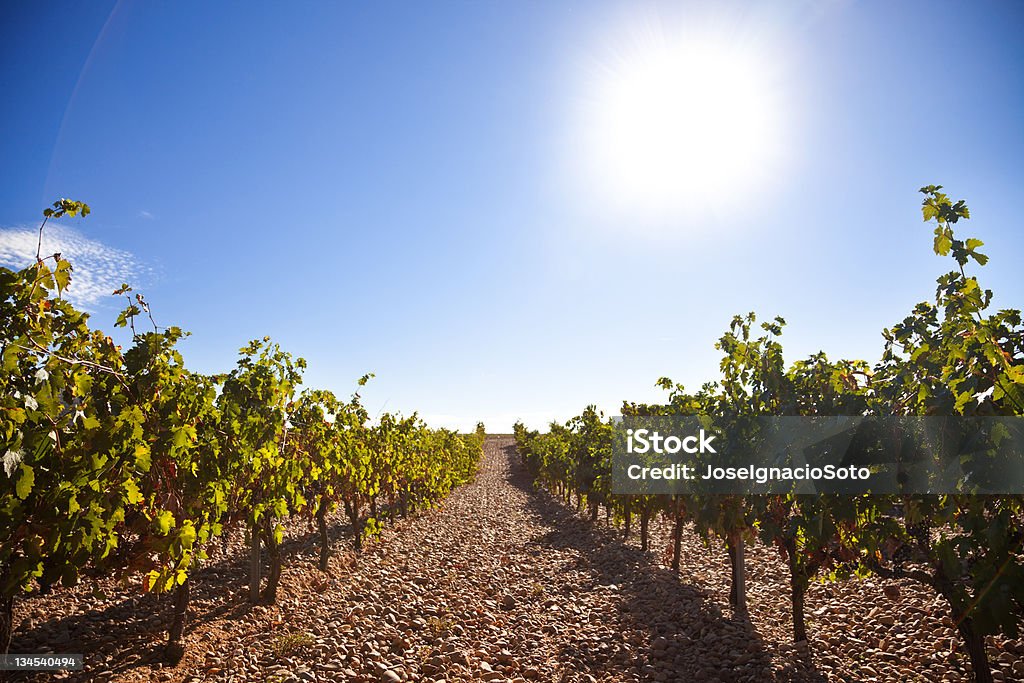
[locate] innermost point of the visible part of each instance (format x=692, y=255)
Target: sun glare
x=670, y=127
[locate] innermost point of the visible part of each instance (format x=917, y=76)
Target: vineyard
x=945, y=358
x=123, y=462
x=174, y=525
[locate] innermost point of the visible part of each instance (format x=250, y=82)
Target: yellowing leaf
x=143, y=460
x=149, y=581
x=164, y=522
x=132, y=489
x=187, y=535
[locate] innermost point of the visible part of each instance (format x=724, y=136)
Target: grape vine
x=947, y=357
x=124, y=462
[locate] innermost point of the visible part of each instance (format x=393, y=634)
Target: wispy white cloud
x=146, y=214
x=98, y=269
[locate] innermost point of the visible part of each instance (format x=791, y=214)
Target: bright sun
x=674, y=126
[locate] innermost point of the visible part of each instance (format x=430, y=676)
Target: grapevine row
x=125, y=462
x=950, y=357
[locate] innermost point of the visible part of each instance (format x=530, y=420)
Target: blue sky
x=420, y=190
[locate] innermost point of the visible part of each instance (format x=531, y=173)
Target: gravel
x=504, y=583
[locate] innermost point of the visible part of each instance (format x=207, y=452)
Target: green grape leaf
x=132, y=489
x=143, y=459
x=25, y=481
x=164, y=521
x=187, y=534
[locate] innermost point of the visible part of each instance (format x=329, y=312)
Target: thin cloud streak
x=98, y=269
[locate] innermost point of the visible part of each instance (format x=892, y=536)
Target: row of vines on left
x=124, y=462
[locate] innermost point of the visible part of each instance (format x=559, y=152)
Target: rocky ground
x=504, y=583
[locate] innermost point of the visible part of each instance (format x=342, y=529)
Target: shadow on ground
x=673, y=631
x=129, y=630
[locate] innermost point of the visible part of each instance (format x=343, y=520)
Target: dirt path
x=501, y=583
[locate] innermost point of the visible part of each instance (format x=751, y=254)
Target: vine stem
x=39, y=244
x=78, y=361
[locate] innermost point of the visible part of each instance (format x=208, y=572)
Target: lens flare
x=677, y=125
